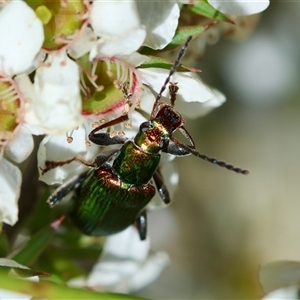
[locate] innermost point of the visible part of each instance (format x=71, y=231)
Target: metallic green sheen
x=134, y=166
x=104, y=205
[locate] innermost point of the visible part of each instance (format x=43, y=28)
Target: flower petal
x=114, y=18
x=160, y=26
x=120, y=45
x=126, y=268
x=118, y=25
x=22, y=36
x=21, y=146
x=191, y=88
x=195, y=109
x=288, y=293
x=239, y=7
x=83, y=43
x=10, y=186
x=57, y=101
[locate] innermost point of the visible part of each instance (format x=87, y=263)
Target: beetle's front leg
x=105, y=139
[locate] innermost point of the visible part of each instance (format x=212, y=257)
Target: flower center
x=62, y=19
x=10, y=109
x=109, y=87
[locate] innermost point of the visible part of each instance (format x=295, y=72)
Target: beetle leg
x=141, y=223
x=99, y=160
x=175, y=149
x=105, y=139
x=65, y=189
x=113, y=122
x=161, y=187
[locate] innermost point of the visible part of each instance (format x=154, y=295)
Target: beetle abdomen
x=103, y=205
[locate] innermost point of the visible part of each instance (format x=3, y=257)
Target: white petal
x=240, y=7
x=147, y=100
x=118, y=25
x=289, y=293
x=114, y=18
x=22, y=36
x=11, y=263
x=25, y=86
x=195, y=109
x=10, y=186
x=83, y=44
x=21, y=146
x=8, y=295
x=119, y=45
x=279, y=274
x=191, y=89
x=135, y=59
x=126, y=268
x=57, y=101
x=56, y=148
x=160, y=19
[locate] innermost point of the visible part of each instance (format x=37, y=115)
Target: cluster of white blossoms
x=63, y=68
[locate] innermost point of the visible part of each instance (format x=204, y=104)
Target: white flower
x=236, y=7
x=21, y=40
x=118, y=25
x=239, y=7
x=21, y=37
x=10, y=182
x=53, y=100
x=160, y=19
x=124, y=26
x=125, y=264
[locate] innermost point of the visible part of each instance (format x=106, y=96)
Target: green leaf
x=30, y=250
x=49, y=290
x=179, y=38
x=21, y=272
x=162, y=63
x=203, y=8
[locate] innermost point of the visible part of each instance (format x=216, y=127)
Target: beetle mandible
x=115, y=192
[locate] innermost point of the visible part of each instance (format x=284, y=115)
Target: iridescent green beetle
x=115, y=192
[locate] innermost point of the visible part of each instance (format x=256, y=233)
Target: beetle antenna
x=210, y=159
x=172, y=71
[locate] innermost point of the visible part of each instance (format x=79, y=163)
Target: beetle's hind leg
x=65, y=189
x=141, y=224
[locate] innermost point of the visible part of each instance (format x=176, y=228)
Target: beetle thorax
x=152, y=137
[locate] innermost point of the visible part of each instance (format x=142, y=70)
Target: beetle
x=115, y=192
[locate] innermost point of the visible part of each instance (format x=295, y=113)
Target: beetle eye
x=164, y=143
x=144, y=126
